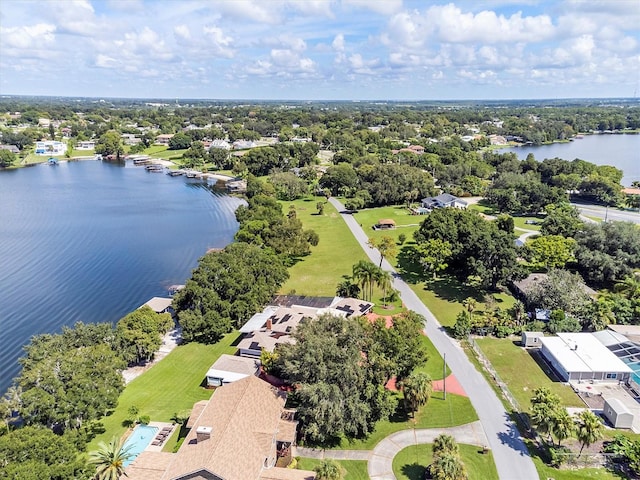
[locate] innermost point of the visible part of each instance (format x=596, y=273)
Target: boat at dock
x=154, y=167
x=175, y=173
x=192, y=174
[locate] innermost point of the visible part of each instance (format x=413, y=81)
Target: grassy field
x=434, y=365
x=405, y=222
x=521, y=222
x=354, y=469
x=520, y=371
x=321, y=272
x=170, y=386
x=411, y=462
x=455, y=410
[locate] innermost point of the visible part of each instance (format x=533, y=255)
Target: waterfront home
x=231, y=368
x=86, y=145
x=159, y=305
x=11, y=148
x=164, y=138
x=243, y=432
x=50, y=147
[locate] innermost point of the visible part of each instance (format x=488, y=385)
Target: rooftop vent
x=203, y=433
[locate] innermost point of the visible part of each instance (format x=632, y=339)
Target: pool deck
x=161, y=425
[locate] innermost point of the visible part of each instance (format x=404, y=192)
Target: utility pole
x=444, y=376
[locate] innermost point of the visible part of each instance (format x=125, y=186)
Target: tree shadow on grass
x=414, y=471
x=453, y=290
x=410, y=270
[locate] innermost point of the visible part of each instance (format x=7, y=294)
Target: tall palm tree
x=109, y=459
x=383, y=281
x=588, y=429
x=364, y=273
x=562, y=425
x=630, y=286
x=417, y=389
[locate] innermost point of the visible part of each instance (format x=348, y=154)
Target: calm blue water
x=91, y=241
x=620, y=151
x=139, y=439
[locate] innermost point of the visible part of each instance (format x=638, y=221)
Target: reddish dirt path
x=453, y=386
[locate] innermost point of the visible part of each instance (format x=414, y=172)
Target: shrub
x=144, y=419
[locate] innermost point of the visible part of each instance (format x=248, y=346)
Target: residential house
x=11, y=148
x=86, y=145
x=164, y=138
x=159, y=305
x=231, y=368
x=130, y=139
x=443, y=200
x=50, y=147
x=222, y=144
x=244, y=144
x=244, y=432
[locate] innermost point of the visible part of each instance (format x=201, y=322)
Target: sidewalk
x=380, y=459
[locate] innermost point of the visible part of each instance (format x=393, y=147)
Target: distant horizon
x=324, y=50
x=318, y=100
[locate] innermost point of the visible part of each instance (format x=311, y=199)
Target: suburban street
x=512, y=459
x=611, y=214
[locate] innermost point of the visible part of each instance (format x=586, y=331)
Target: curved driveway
x=512, y=459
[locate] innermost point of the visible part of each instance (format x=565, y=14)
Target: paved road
x=513, y=461
x=611, y=214
x=380, y=459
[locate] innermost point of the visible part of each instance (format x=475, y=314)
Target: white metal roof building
x=582, y=357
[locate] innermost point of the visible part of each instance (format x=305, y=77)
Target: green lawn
x=320, y=272
x=434, y=365
x=521, y=222
x=546, y=472
x=354, y=469
x=520, y=371
x=445, y=295
x=455, y=410
x=405, y=222
x=411, y=462
x=172, y=385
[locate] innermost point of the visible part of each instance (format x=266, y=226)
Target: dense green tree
x=226, y=289
x=550, y=251
x=608, y=252
x=433, y=254
x=288, y=186
x=560, y=290
x=339, y=390
x=110, y=143
x=562, y=219
x=337, y=176
x=180, y=141
x=7, y=158
x=140, y=334
x=38, y=453
x=444, y=443
x=109, y=459
x=364, y=274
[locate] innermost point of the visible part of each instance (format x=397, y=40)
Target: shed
x=385, y=224
x=159, y=304
x=617, y=413
x=532, y=339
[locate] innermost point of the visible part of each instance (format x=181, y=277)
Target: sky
x=321, y=49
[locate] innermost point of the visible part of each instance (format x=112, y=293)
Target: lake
x=620, y=151
x=91, y=241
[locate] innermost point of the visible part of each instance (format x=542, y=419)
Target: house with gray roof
x=443, y=200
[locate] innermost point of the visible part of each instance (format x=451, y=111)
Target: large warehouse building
x=581, y=357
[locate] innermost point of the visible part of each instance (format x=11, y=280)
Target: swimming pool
x=139, y=439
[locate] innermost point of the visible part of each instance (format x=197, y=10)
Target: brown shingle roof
x=244, y=418
x=149, y=466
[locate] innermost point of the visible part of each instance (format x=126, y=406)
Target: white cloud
x=338, y=43
x=35, y=36
x=383, y=7
x=182, y=32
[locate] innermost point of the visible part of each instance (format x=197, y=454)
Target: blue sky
x=321, y=49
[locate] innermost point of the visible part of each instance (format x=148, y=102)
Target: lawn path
x=380, y=459
x=511, y=456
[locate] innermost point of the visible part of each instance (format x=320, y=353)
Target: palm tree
x=562, y=425
x=448, y=467
x=364, y=273
x=417, y=389
x=588, y=429
x=540, y=418
x=109, y=459
x=470, y=305
x=383, y=281
x=630, y=287
x=328, y=469
x=444, y=444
